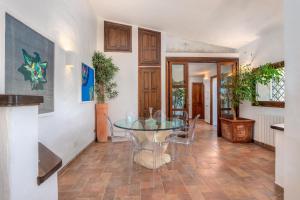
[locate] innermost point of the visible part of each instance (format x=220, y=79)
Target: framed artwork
x=87, y=83
x=29, y=63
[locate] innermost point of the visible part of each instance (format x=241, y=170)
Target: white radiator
x=262, y=131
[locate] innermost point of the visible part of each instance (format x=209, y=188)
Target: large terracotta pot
x=240, y=130
x=101, y=122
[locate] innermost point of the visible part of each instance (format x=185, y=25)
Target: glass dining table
x=142, y=124
x=151, y=132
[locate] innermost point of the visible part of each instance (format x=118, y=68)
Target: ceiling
x=229, y=23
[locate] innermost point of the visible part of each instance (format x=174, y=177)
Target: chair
x=158, y=115
x=116, y=135
x=182, y=132
x=151, y=148
x=144, y=141
x=137, y=139
x=185, y=117
x=176, y=138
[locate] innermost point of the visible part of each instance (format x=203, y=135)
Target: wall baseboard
x=206, y=122
x=266, y=146
x=281, y=188
x=63, y=169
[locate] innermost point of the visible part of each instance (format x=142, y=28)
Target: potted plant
x=239, y=87
x=105, y=89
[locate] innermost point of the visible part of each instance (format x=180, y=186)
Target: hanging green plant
x=241, y=86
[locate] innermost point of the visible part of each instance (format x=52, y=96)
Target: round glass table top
x=149, y=124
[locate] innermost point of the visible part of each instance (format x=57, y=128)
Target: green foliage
x=179, y=94
x=105, y=70
x=241, y=86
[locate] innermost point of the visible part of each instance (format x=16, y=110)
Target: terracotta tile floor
x=223, y=171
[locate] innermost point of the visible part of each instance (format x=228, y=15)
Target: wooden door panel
x=149, y=90
x=117, y=37
x=146, y=81
x=154, y=100
x=123, y=39
x=198, y=100
x=146, y=103
x=155, y=83
x=153, y=42
x=149, y=47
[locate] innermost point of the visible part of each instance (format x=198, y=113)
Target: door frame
x=195, y=60
x=169, y=86
x=202, y=114
x=219, y=74
x=211, y=97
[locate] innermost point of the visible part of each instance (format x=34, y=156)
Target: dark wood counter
x=7, y=100
x=279, y=127
x=49, y=163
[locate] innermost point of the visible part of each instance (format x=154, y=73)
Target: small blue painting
x=88, y=83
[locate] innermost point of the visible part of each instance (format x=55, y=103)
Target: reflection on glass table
x=150, y=124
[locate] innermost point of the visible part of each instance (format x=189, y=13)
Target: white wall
x=19, y=156
x=71, y=26
x=205, y=70
x=267, y=48
x=292, y=117
x=175, y=44
x=215, y=101
x=127, y=77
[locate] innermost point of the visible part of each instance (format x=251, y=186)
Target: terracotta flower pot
x=240, y=130
x=101, y=122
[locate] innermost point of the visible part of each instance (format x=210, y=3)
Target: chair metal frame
x=115, y=138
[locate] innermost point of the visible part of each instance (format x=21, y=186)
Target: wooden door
x=198, y=100
x=149, y=90
x=149, y=48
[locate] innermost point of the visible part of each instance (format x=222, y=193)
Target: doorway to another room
x=199, y=87
x=189, y=84
x=195, y=85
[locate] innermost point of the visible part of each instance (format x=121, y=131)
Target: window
x=277, y=87
x=273, y=95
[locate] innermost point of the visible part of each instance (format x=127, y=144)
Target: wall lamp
x=70, y=59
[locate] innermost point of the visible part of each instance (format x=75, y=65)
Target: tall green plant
x=241, y=86
x=105, y=70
